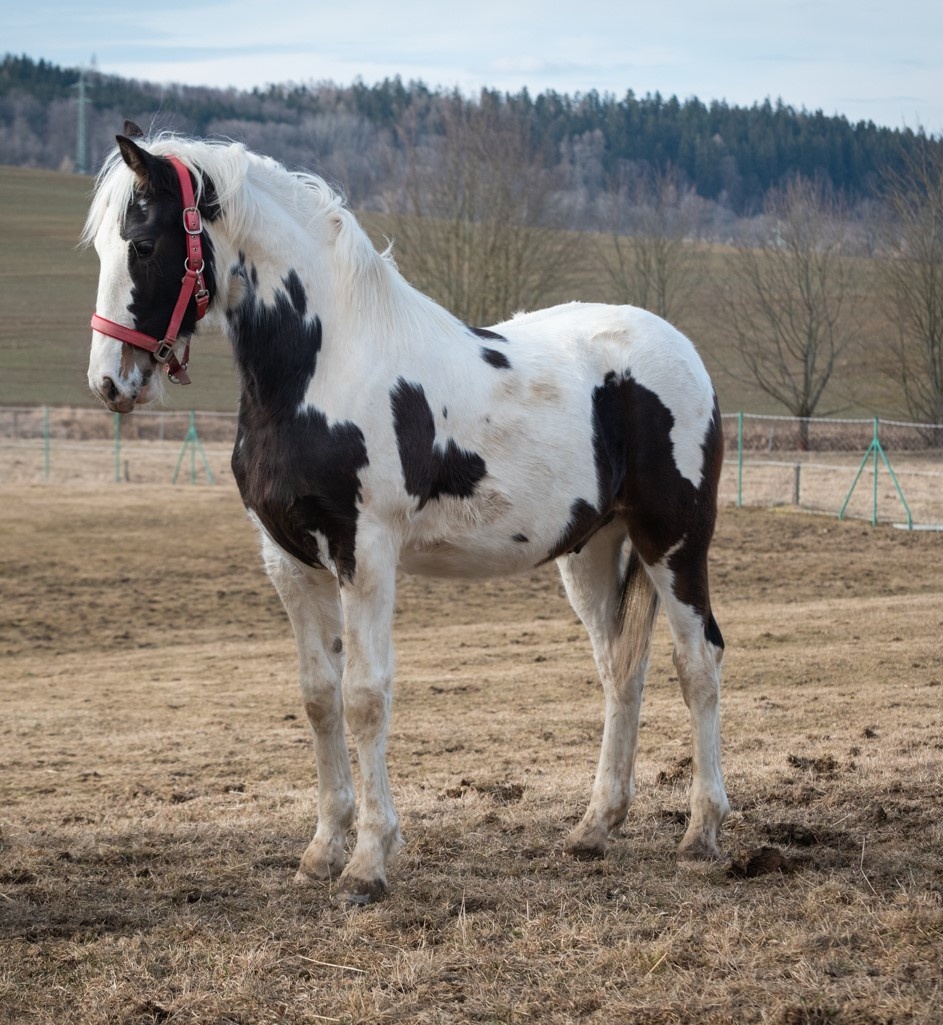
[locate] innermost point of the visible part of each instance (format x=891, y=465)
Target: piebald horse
x=378, y=431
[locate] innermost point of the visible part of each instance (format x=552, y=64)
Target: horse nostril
x=109, y=389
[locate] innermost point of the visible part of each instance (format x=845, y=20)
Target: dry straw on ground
x=157, y=790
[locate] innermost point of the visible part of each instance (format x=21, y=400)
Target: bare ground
x=157, y=789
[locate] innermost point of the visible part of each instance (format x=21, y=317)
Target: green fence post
x=876, y=445
x=890, y=470
x=117, y=448
x=192, y=442
x=875, y=449
x=46, y=443
x=740, y=460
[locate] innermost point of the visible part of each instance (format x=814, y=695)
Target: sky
x=879, y=61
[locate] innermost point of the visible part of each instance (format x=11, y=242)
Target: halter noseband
x=192, y=286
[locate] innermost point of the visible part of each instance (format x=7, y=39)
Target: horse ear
x=137, y=159
x=132, y=130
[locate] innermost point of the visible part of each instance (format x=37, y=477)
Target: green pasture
x=48, y=285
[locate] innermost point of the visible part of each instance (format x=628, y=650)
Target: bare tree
x=649, y=256
x=788, y=297
x=473, y=221
x=912, y=275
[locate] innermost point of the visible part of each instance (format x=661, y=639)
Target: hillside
x=48, y=285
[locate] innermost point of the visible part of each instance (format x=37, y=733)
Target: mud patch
x=759, y=861
x=500, y=791
x=794, y=834
x=825, y=765
x=677, y=773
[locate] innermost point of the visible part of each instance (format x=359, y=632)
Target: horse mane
x=371, y=284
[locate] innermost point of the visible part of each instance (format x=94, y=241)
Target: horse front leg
x=368, y=603
x=310, y=597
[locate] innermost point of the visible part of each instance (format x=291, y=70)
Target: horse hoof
x=581, y=852
x=303, y=878
x=586, y=844
x=698, y=848
x=585, y=848
x=319, y=864
x=361, y=892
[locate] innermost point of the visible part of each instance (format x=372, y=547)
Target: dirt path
x=157, y=789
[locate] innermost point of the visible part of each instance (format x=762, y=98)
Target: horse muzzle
x=122, y=394
x=115, y=399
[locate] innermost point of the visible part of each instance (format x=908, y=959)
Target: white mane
x=371, y=283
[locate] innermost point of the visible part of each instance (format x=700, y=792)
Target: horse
x=378, y=431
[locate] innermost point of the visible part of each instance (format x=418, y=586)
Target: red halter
x=192, y=286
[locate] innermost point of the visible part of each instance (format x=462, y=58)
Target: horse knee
x=324, y=708
x=366, y=709
x=699, y=674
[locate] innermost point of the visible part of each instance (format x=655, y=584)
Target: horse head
x=147, y=228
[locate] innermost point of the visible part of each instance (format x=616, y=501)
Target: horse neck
x=270, y=243
x=285, y=234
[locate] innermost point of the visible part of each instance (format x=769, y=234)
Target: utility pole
x=81, y=135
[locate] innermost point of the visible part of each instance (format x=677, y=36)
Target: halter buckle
x=164, y=351
x=192, y=221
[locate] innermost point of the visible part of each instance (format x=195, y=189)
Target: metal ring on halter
x=192, y=270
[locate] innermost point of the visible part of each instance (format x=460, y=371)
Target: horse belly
x=464, y=559
x=497, y=532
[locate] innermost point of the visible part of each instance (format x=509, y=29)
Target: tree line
x=729, y=155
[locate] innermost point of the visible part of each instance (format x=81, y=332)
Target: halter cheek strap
x=192, y=286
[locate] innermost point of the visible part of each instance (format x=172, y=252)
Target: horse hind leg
x=614, y=598
x=681, y=580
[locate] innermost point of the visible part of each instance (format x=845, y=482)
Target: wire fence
x=65, y=445
x=877, y=470
x=884, y=471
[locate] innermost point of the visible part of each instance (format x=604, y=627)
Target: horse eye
x=143, y=246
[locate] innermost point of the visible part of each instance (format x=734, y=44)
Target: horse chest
x=301, y=477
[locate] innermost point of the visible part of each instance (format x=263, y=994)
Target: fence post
x=740, y=460
x=192, y=442
x=46, y=443
x=117, y=448
x=890, y=470
x=876, y=445
x=875, y=449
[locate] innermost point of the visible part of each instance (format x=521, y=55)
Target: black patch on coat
x=584, y=522
x=496, y=359
x=429, y=470
x=296, y=293
x=483, y=332
x=520, y=539
x=712, y=632
x=153, y=229
x=295, y=471
x=689, y=562
x=639, y=479
x=276, y=347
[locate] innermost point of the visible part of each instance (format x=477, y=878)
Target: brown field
x=157, y=789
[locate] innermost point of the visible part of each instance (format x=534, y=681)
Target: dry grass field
x=157, y=789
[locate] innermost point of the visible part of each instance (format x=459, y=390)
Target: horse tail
x=638, y=609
